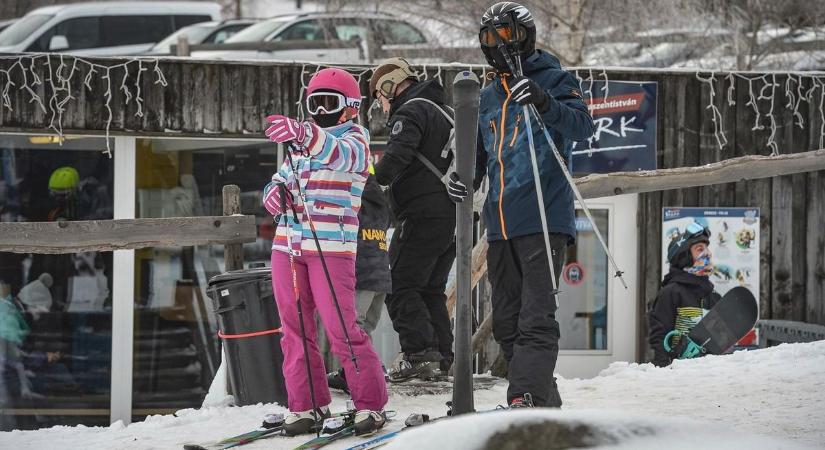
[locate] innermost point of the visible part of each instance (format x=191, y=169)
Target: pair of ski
x=341, y=423
x=413, y=420
x=273, y=426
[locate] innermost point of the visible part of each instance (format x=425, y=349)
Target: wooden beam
x=109, y=235
x=482, y=334
x=749, y=167
x=233, y=253
x=479, y=266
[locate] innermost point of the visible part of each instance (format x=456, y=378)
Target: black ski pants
x=421, y=255
x=524, y=313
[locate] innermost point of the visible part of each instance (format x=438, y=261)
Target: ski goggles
x=493, y=35
x=329, y=102
x=695, y=230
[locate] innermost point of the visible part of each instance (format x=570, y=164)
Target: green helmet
x=64, y=179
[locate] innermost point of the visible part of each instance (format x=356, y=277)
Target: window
x=176, y=350
x=583, y=307
x=258, y=32
x=185, y=21
x=23, y=28
x=81, y=32
x=348, y=29
x=131, y=30
x=55, y=310
x=308, y=30
x=224, y=33
x=395, y=32
x=193, y=34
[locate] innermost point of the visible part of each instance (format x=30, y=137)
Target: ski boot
x=368, y=421
x=304, y=422
x=337, y=380
x=525, y=401
x=273, y=421
x=421, y=365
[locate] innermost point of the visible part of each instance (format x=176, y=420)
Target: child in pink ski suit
x=331, y=160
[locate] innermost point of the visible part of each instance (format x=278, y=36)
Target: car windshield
x=23, y=28
x=257, y=32
x=194, y=34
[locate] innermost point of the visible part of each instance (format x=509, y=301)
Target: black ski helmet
x=511, y=24
x=678, y=252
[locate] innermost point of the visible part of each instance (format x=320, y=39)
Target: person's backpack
x=448, y=147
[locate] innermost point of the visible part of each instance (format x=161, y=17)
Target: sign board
x=734, y=243
x=624, y=113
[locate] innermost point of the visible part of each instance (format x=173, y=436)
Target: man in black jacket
x=423, y=244
x=686, y=295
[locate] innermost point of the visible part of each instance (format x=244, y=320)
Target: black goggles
x=494, y=35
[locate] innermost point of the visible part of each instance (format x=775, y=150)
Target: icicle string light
x=59, y=83
x=716, y=115
x=59, y=80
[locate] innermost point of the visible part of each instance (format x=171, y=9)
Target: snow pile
x=578, y=429
x=727, y=401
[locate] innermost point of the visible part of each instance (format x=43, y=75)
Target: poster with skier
x=624, y=113
x=734, y=243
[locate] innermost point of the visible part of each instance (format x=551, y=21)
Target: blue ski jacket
x=503, y=151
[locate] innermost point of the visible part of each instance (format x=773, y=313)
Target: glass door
x=597, y=315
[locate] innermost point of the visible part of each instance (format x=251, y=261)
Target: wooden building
x=158, y=112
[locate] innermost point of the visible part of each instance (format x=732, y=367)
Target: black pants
x=524, y=313
x=421, y=254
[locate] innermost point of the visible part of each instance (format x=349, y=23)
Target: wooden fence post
x=233, y=253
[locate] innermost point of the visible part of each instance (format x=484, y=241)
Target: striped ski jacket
x=332, y=177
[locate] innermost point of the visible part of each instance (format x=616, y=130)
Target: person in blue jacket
x=524, y=308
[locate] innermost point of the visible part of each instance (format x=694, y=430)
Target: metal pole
x=465, y=102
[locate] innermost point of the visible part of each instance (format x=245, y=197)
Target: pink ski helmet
x=337, y=80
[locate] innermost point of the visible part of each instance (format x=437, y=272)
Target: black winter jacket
x=680, y=304
x=416, y=126
x=372, y=262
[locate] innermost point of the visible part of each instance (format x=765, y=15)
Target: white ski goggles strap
x=329, y=102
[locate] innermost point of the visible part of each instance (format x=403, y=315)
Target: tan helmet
x=388, y=75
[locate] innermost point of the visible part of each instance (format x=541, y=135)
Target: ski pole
x=554, y=150
x=296, y=292
x=302, y=195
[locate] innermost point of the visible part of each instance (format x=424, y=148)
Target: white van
x=103, y=29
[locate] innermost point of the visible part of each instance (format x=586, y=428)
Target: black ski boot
x=304, y=422
x=525, y=401
x=422, y=365
x=338, y=380
x=368, y=422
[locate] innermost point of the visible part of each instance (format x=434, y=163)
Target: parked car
x=103, y=29
x=7, y=23
x=332, y=37
x=202, y=33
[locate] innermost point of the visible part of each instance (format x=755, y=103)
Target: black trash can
x=249, y=327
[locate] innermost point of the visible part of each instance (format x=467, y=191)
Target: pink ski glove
x=272, y=200
x=273, y=193
x=285, y=129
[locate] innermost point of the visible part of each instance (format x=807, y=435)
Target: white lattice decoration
x=59, y=80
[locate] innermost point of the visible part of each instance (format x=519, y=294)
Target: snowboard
x=724, y=325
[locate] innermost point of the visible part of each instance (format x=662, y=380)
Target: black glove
x=526, y=91
x=456, y=189
x=661, y=358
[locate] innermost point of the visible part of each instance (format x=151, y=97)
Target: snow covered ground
x=771, y=398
